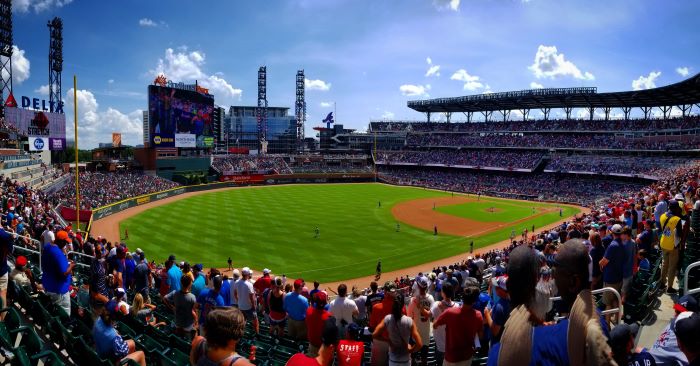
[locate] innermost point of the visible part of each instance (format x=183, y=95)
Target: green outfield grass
x=274, y=226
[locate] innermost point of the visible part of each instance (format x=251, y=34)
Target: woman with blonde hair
x=143, y=311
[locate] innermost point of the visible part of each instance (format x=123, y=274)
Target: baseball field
x=275, y=227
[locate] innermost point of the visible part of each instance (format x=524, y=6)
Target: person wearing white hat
x=244, y=293
x=236, y=276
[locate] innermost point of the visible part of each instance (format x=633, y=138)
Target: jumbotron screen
x=180, y=118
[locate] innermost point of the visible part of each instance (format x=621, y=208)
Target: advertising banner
x=37, y=123
x=175, y=111
x=71, y=214
x=185, y=140
x=57, y=143
x=38, y=143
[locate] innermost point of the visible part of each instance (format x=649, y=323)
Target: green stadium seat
x=174, y=357
x=149, y=346
x=179, y=343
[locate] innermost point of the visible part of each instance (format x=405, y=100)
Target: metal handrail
x=604, y=312
x=687, y=291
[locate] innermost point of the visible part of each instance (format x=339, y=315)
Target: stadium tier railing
x=617, y=310
x=686, y=278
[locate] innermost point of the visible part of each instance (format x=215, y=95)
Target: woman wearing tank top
x=401, y=331
x=275, y=301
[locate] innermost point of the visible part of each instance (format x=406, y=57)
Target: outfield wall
x=104, y=211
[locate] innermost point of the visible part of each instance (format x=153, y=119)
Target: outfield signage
x=185, y=140
x=38, y=144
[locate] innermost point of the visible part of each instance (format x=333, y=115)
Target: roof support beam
x=487, y=115
x=428, y=116
x=591, y=112
x=546, y=112
x=626, y=111
x=506, y=114
x=526, y=113
x=666, y=110
x=685, y=108
x=606, y=110
x=568, y=110
x=469, y=116
x=448, y=115
x=647, y=112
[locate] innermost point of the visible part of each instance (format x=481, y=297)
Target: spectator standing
x=612, y=265
x=419, y=311
x=497, y=316
x=351, y=349
x=184, y=304
x=674, y=229
x=263, y=283
x=361, y=301
x=6, y=247
x=329, y=338
x=174, y=275
x=200, y=282
x=208, y=300
x=223, y=329
x=400, y=329
x=275, y=303
x=47, y=237
x=109, y=344
x=462, y=325
x=374, y=297
x=343, y=309
x=236, y=276
x=645, y=240
x=380, y=348
x=597, y=252
x=316, y=317
x=129, y=268
x=296, y=305
x=630, y=249
x=447, y=292
x=245, y=298
x=56, y=271
x=143, y=278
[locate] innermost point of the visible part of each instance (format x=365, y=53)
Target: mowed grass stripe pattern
x=273, y=227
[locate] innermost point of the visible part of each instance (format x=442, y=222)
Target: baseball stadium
x=508, y=226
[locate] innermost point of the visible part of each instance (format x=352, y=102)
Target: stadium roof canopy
x=684, y=93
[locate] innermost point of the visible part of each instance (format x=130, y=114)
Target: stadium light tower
x=261, y=110
x=300, y=109
x=5, y=51
x=55, y=60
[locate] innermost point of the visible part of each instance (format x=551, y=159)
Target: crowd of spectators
x=583, y=125
x=549, y=140
x=485, y=158
x=604, y=164
x=547, y=187
x=236, y=164
x=99, y=189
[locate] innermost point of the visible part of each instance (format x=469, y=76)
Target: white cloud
x=326, y=104
x=317, y=84
x=549, y=63
x=388, y=115
x=683, y=71
x=647, y=82
x=95, y=125
x=429, y=61
x=447, y=4
x=433, y=69
x=110, y=81
x=536, y=85
x=23, y=6
x=415, y=90
x=20, y=66
x=146, y=22
x=471, y=82
x=42, y=90
x=187, y=67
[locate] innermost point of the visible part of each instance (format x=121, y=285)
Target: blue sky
x=369, y=57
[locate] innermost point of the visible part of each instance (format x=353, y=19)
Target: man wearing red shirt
x=316, y=316
x=351, y=350
x=263, y=283
x=461, y=326
x=329, y=338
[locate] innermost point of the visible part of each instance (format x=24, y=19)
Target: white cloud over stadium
x=549, y=63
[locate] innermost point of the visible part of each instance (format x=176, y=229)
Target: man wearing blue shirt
x=174, y=274
x=199, y=283
x=612, y=265
x=6, y=247
x=630, y=250
x=209, y=299
x=56, y=271
x=295, y=305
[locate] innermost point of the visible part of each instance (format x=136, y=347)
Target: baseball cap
x=236, y=273
x=422, y=282
x=172, y=258
x=266, y=271
x=198, y=267
x=112, y=308
x=621, y=334
x=389, y=286
x=246, y=271
x=217, y=281
x=121, y=292
x=138, y=250
x=686, y=303
x=679, y=197
x=62, y=235
x=298, y=283
x=21, y=261
x=320, y=297
x=616, y=229
x=687, y=327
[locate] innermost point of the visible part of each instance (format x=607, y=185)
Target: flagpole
x=77, y=168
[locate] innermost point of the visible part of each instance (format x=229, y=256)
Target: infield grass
x=273, y=227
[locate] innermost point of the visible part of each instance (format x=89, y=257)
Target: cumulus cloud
x=23, y=6
x=447, y=4
x=317, y=84
x=536, y=85
x=95, y=125
x=646, y=82
x=146, y=22
x=20, y=66
x=432, y=69
x=388, y=115
x=549, y=63
x=110, y=81
x=683, y=71
x=42, y=90
x=187, y=67
x=471, y=82
x=326, y=104
x=411, y=90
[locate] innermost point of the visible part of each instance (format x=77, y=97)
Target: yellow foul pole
x=77, y=170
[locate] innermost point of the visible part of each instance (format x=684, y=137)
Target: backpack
x=200, y=346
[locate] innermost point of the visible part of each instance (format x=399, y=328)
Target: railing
x=617, y=310
x=686, y=290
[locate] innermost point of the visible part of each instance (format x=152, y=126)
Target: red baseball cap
x=21, y=261
x=298, y=283
x=321, y=297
